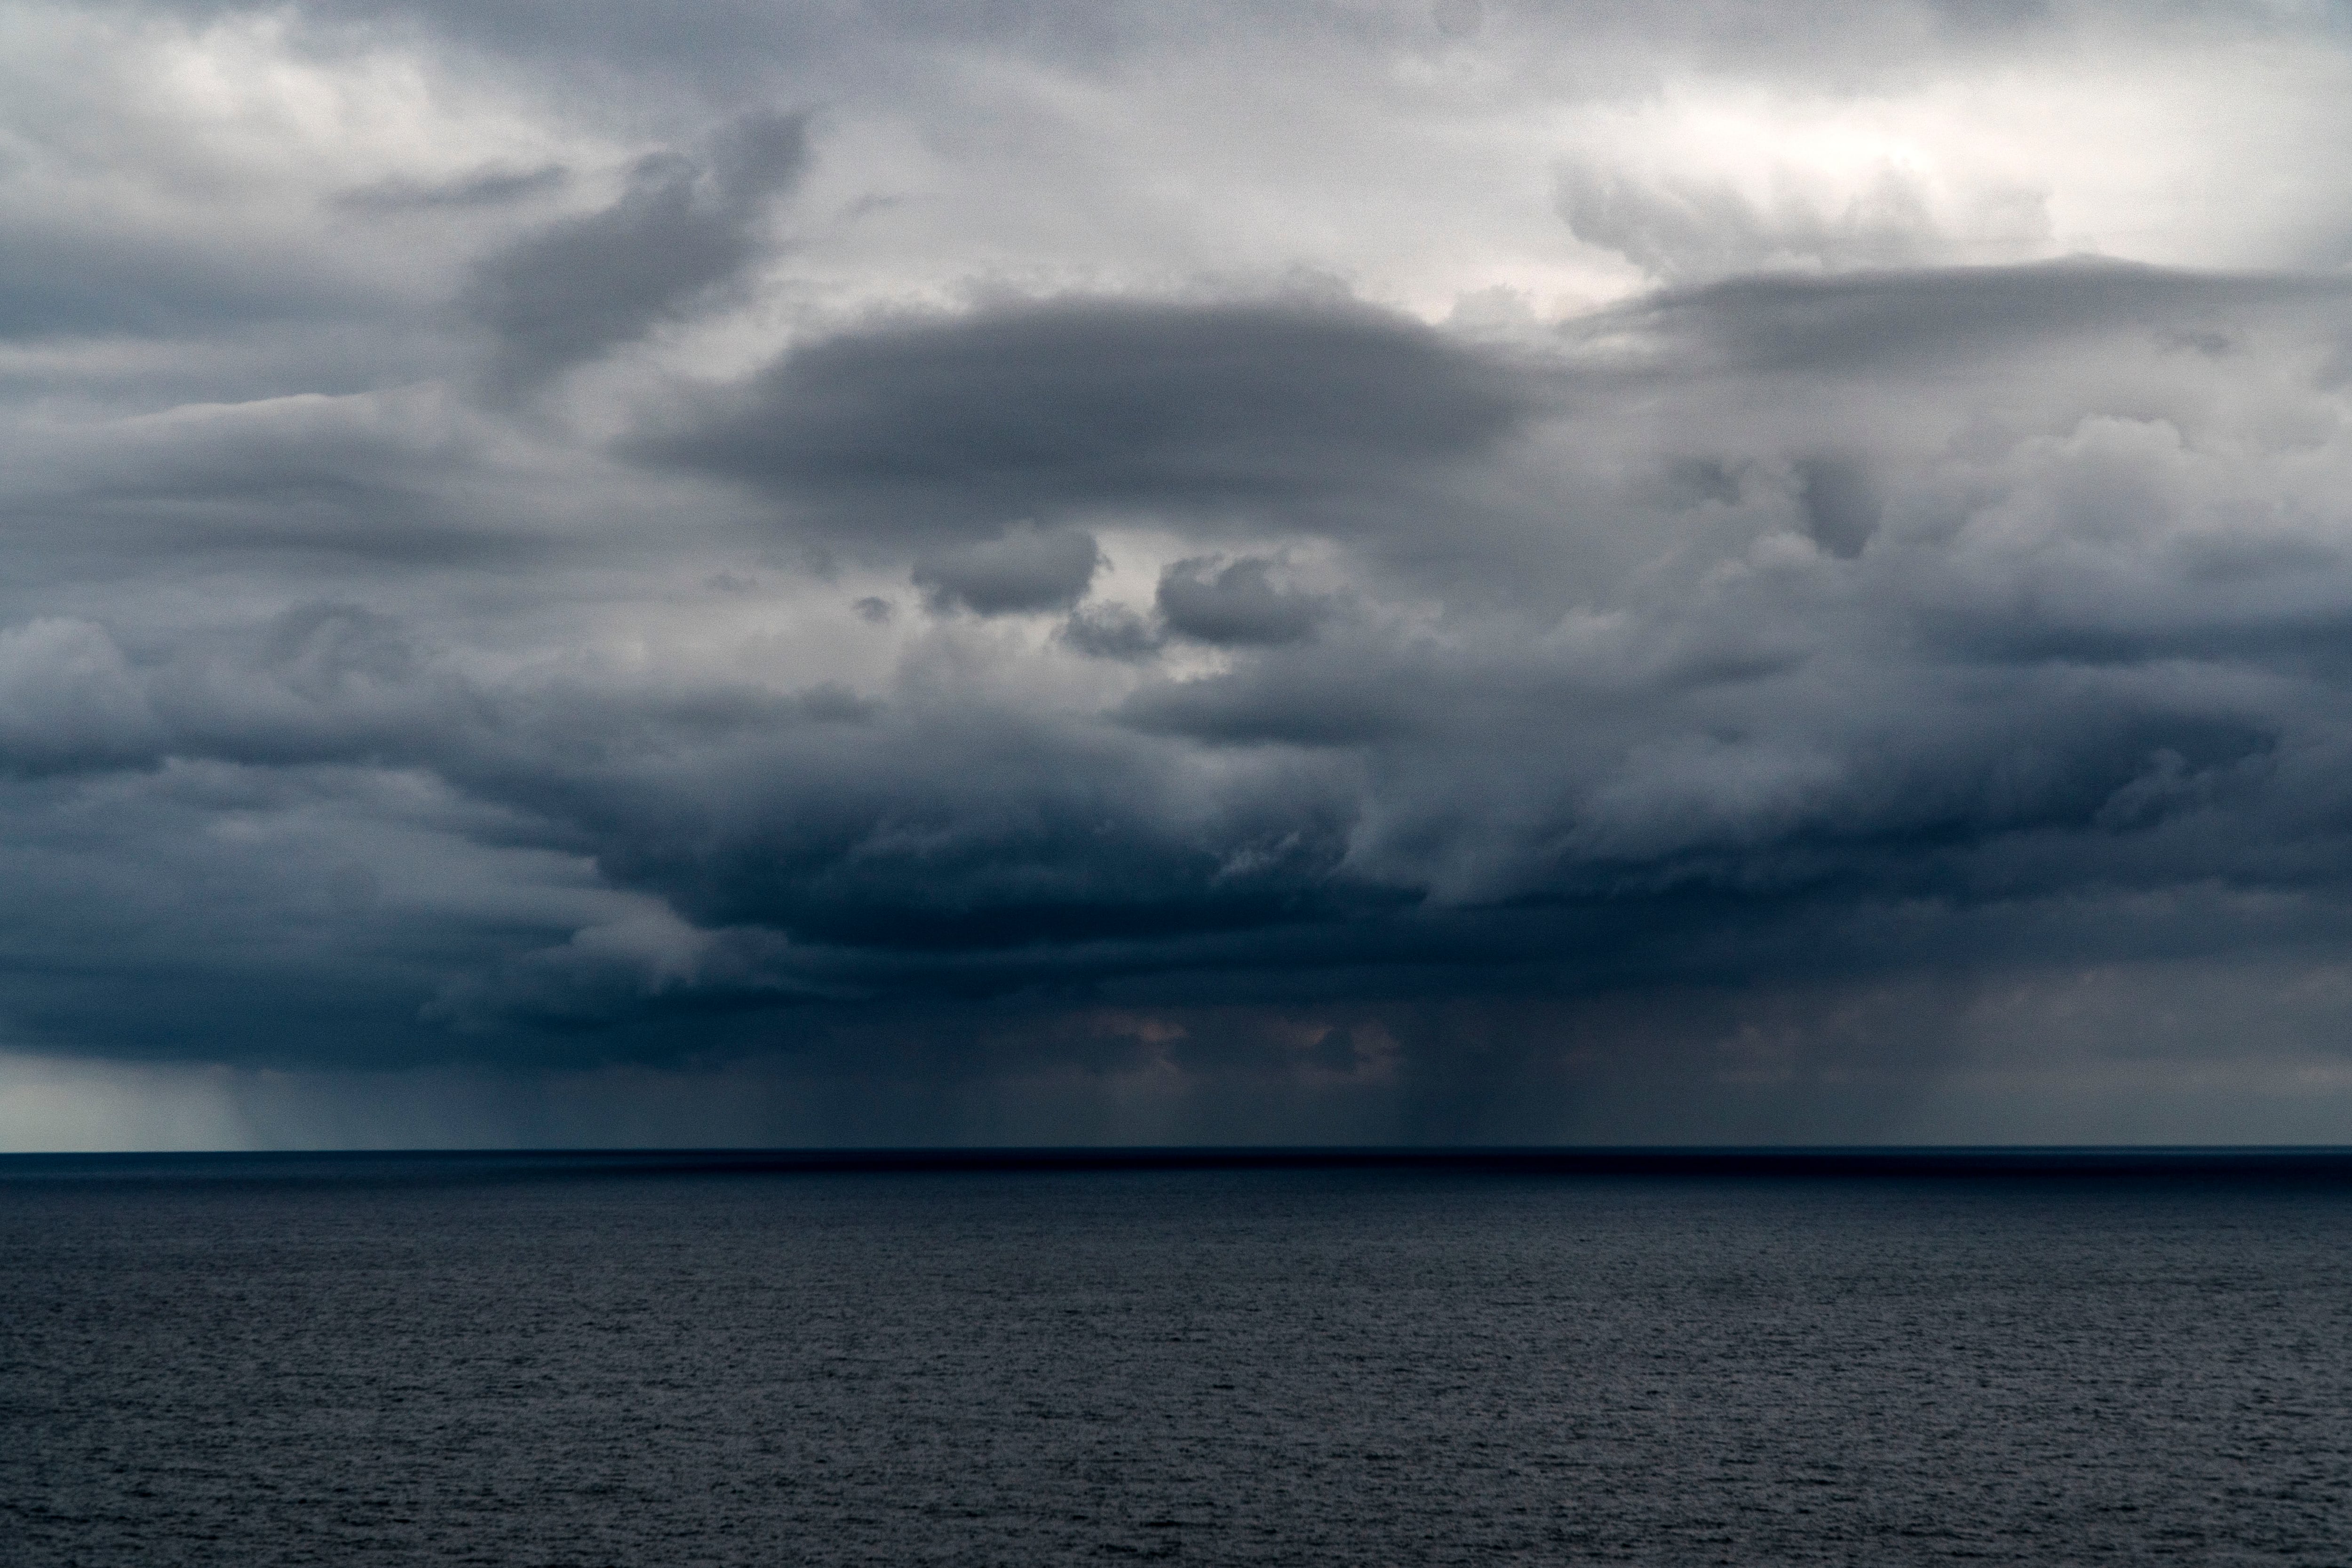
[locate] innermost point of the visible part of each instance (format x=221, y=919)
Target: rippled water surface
x=1292, y=1366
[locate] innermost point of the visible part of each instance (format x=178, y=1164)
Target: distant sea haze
x=592, y=1359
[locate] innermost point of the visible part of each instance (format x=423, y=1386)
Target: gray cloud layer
x=601, y=638
x=1056, y=407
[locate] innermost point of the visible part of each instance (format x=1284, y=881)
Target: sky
x=1755, y=571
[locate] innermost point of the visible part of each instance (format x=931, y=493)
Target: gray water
x=1213, y=1367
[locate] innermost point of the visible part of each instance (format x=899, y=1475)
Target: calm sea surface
x=393, y=1366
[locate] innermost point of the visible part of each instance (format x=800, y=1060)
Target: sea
x=1670, y=1359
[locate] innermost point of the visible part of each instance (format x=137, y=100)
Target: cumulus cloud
x=1028, y=569
x=1234, y=604
x=1297, y=622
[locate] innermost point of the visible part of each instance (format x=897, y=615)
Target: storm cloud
x=1067, y=405
x=1233, y=604
x=881, y=576
x=682, y=227
x=1025, y=570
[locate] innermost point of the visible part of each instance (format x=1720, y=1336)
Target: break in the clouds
x=1358, y=572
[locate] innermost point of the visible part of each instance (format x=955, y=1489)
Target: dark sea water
x=389, y=1361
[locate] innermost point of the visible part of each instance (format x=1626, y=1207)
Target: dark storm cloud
x=1113, y=631
x=1821, y=696
x=1148, y=677
x=1233, y=604
x=1028, y=569
x=1281, y=705
x=354, y=479
x=1912, y=319
x=585, y=285
x=946, y=427
x=857, y=830
x=1841, y=511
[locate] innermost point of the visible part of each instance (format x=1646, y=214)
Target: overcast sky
x=584, y=571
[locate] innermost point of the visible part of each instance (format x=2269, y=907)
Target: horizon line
x=2299, y=1162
